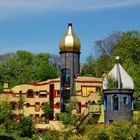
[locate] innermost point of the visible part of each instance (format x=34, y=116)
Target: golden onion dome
x=69, y=42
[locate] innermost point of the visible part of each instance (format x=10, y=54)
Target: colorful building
x=28, y=99
x=118, y=90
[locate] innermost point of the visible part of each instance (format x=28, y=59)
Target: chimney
x=6, y=85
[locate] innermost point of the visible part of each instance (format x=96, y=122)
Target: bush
x=26, y=127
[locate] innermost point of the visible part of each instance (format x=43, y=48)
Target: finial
x=117, y=59
x=70, y=24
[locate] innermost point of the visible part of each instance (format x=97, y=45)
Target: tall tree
x=25, y=67
x=128, y=47
x=88, y=69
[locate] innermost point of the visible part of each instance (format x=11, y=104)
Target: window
x=86, y=91
x=43, y=118
x=93, y=103
x=37, y=106
x=86, y=104
x=125, y=100
x=115, y=102
x=27, y=104
x=43, y=94
x=78, y=107
x=30, y=93
x=13, y=105
x=105, y=102
x=37, y=119
x=36, y=93
x=65, y=75
x=58, y=93
x=57, y=116
x=42, y=105
x=132, y=102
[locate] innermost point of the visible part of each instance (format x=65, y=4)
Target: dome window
x=30, y=93
x=115, y=102
x=125, y=100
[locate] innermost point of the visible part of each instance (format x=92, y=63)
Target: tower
x=118, y=89
x=69, y=46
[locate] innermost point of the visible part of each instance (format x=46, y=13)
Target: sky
x=38, y=25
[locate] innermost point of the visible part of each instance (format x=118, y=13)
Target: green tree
x=52, y=135
x=47, y=110
x=88, y=69
x=120, y=130
x=96, y=133
x=26, y=127
x=5, y=111
x=128, y=47
x=67, y=117
x=25, y=67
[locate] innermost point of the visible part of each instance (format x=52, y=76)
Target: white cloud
x=64, y=4
x=13, y=8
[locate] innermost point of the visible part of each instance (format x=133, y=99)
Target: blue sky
x=38, y=25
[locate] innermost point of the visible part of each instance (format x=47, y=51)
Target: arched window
x=37, y=106
x=14, y=105
x=65, y=75
x=125, y=100
x=115, y=102
x=37, y=118
x=105, y=102
x=27, y=105
x=30, y=93
x=43, y=118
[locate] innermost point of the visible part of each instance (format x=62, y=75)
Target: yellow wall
x=86, y=92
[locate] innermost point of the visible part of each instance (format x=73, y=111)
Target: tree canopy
x=124, y=44
x=25, y=67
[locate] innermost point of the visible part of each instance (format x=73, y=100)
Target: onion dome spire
x=69, y=42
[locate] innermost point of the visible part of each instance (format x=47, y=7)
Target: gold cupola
x=69, y=42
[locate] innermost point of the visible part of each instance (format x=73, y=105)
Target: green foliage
x=88, y=69
x=11, y=125
x=9, y=128
x=67, y=117
x=47, y=110
x=25, y=67
x=4, y=111
x=96, y=133
x=127, y=46
x=52, y=135
x=112, y=83
x=26, y=127
x=120, y=130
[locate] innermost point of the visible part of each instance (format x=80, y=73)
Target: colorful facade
x=28, y=99
x=33, y=97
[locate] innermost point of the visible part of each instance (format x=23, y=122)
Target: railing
x=94, y=108
x=91, y=109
